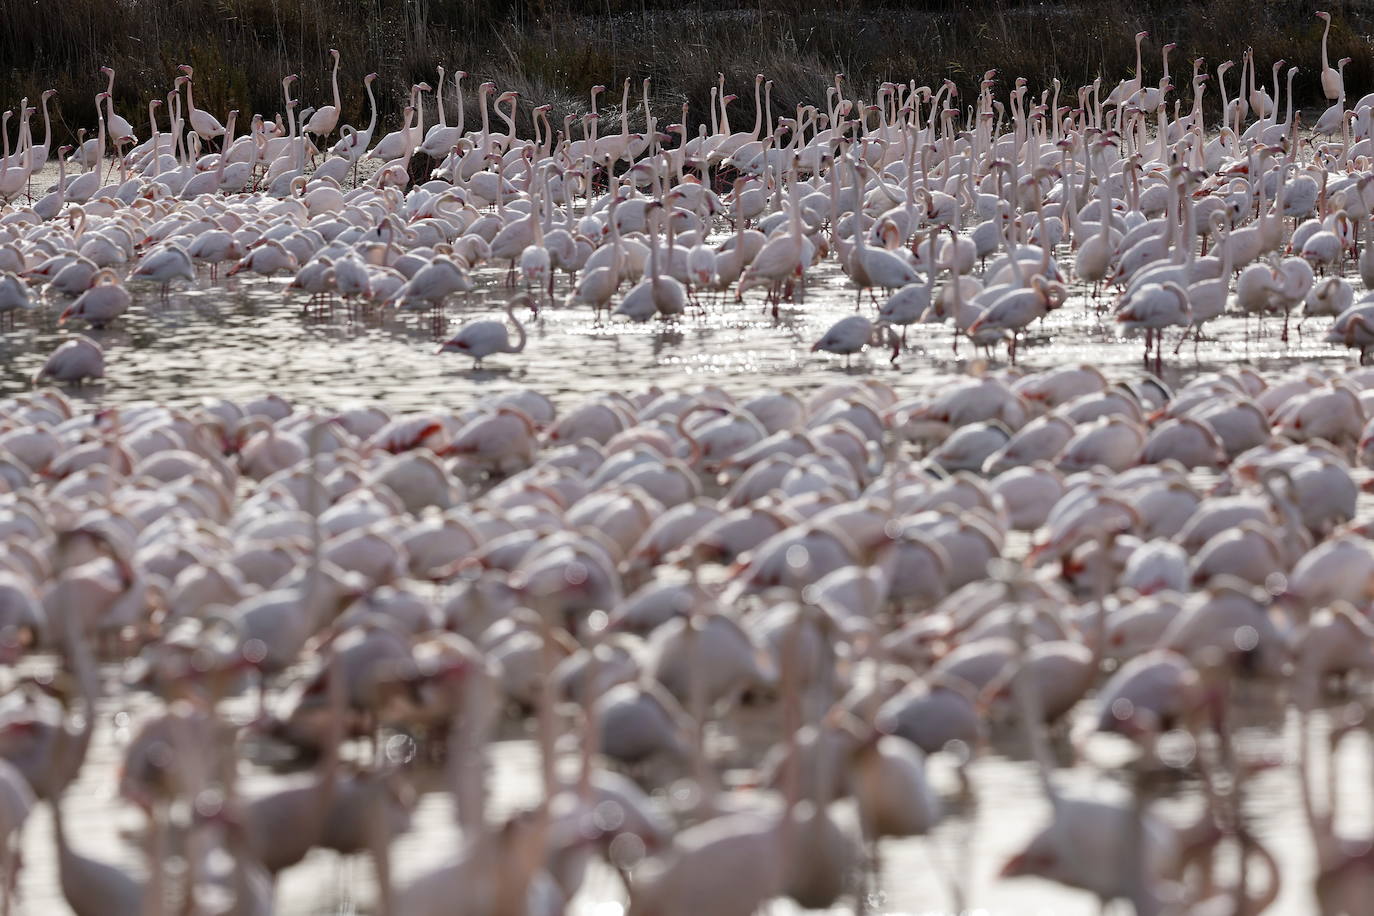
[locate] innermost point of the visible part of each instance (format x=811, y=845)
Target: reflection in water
x=1006, y=808
x=241, y=339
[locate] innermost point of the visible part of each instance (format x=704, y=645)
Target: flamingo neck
x=519, y=345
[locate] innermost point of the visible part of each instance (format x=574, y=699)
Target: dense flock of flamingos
x=623, y=580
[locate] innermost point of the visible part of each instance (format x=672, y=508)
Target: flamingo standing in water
x=76, y=360
x=480, y=339
x=850, y=335
x=1152, y=308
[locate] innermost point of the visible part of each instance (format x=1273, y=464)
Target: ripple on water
x=241, y=339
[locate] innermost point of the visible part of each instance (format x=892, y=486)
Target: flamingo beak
x=1014, y=866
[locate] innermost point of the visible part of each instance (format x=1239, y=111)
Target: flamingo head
x=187, y=69
x=369, y=78
x=1323, y=14
x=334, y=53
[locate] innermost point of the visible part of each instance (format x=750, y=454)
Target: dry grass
x=551, y=51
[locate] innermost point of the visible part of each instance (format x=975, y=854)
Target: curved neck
x=519, y=329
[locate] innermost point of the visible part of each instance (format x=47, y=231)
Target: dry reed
x=551, y=51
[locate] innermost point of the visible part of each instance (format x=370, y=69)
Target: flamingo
x=121, y=131
x=850, y=335
x=326, y=117
x=166, y=264
x=1333, y=86
x=480, y=339
x=104, y=301
x=205, y=125
x=14, y=296
x=1017, y=308
x=1151, y=309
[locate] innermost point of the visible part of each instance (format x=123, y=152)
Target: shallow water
x=972, y=844
x=243, y=339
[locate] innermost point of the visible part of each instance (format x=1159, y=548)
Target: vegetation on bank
x=552, y=51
